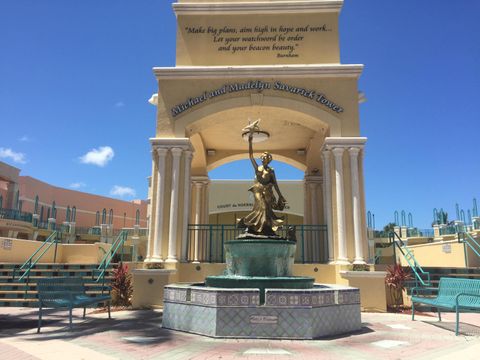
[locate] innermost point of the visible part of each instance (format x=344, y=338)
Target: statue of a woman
x=262, y=220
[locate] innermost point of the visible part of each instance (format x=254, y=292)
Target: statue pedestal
x=253, y=257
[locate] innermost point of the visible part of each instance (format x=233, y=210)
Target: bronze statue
x=262, y=221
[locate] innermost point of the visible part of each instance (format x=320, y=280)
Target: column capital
x=325, y=152
x=176, y=152
x=313, y=179
x=354, y=151
x=188, y=154
x=161, y=151
x=338, y=151
x=204, y=180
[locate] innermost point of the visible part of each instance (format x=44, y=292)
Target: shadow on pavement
x=136, y=326
x=464, y=328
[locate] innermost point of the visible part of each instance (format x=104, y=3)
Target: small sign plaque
x=447, y=248
x=263, y=319
x=7, y=244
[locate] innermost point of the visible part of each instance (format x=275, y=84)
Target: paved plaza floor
x=138, y=335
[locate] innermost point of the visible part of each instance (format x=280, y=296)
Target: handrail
x=52, y=239
x=409, y=257
x=470, y=241
x=105, y=263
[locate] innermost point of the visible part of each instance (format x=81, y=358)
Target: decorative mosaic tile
x=348, y=297
x=314, y=298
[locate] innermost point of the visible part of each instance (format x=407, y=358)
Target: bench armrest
x=464, y=294
x=417, y=290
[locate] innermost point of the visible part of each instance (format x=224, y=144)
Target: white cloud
x=122, y=191
x=99, y=157
x=77, y=185
x=24, y=138
x=119, y=104
x=7, y=153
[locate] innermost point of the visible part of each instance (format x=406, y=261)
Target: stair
x=24, y=294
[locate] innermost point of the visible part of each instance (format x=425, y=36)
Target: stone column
x=327, y=202
x=340, y=197
x=186, y=204
x=174, y=204
x=158, y=229
x=314, y=213
x=151, y=225
x=357, y=213
x=313, y=204
x=198, y=201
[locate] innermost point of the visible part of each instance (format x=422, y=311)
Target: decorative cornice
x=258, y=71
x=344, y=142
x=270, y=7
x=183, y=143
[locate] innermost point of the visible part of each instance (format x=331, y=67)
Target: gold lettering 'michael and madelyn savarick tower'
x=277, y=60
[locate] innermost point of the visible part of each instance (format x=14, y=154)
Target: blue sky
x=75, y=77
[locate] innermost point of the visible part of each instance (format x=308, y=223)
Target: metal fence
x=205, y=242
x=448, y=230
x=414, y=232
x=12, y=214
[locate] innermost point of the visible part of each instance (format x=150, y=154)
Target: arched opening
x=137, y=217
x=230, y=198
x=35, y=210
x=67, y=214
x=104, y=216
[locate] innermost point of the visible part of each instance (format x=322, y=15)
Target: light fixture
x=153, y=99
x=211, y=152
x=258, y=136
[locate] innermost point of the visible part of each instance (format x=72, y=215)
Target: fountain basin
x=259, y=282
x=324, y=310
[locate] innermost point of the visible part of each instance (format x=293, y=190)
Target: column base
x=342, y=261
x=195, y=262
x=154, y=259
x=359, y=262
x=171, y=261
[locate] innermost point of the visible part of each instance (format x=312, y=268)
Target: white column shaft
x=340, y=197
x=198, y=192
x=159, y=206
x=313, y=205
x=172, y=235
x=357, y=214
x=151, y=224
x=327, y=201
x=186, y=204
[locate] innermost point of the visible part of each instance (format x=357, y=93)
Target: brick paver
x=138, y=335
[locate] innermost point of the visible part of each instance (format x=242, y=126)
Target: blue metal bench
x=459, y=295
x=66, y=292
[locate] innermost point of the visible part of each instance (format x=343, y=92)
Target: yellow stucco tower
x=277, y=60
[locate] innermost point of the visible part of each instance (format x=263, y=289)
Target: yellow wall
x=434, y=254
x=311, y=38
x=21, y=250
x=148, y=286
x=373, y=295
